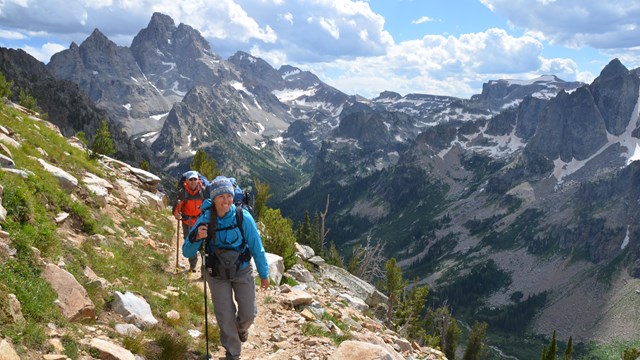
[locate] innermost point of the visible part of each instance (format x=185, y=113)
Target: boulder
x=73, y=299
x=357, y=350
x=357, y=286
x=65, y=180
x=135, y=309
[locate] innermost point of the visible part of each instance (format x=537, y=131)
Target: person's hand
x=202, y=232
x=264, y=283
x=177, y=216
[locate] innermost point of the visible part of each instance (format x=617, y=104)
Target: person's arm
x=192, y=240
x=256, y=248
x=177, y=211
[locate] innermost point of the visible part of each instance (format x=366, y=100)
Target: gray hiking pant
x=232, y=320
x=193, y=262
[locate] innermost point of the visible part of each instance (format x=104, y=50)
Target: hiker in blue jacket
x=229, y=273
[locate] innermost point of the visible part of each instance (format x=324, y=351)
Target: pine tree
x=550, y=352
x=314, y=238
x=568, y=351
x=203, y=164
x=102, y=143
x=475, y=344
x=413, y=313
x=5, y=87
x=25, y=99
x=453, y=338
x=334, y=257
x=303, y=235
x=394, y=285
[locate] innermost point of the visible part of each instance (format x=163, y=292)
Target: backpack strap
x=238, y=224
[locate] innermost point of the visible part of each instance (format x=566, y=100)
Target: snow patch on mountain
x=288, y=95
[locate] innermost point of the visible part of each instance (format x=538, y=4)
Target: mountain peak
x=161, y=21
x=613, y=68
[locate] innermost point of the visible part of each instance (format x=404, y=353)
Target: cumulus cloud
x=339, y=28
x=449, y=65
x=44, y=52
x=14, y=35
x=576, y=23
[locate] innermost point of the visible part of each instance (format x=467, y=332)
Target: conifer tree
x=550, y=352
x=394, y=285
x=314, y=238
x=5, y=87
x=303, y=234
x=102, y=143
x=412, y=314
x=334, y=257
x=452, y=339
x=568, y=351
x=205, y=165
x=475, y=349
x=25, y=99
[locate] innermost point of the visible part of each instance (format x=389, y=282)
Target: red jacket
x=189, y=202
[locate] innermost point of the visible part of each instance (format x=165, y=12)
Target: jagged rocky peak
x=615, y=92
x=295, y=75
x=161, y=41
x=388, y=96
x=96, y=55
x=255, y=71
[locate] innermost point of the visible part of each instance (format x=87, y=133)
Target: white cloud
x=575, y=23
x=422, y=19
x=6, y=34
x=449, y=65
x=45, y=52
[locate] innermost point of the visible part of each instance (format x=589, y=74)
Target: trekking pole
x=177, y=245
x=206, y=316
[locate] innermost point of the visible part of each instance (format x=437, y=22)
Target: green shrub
x=278, y=237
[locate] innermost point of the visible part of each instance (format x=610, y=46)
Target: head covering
x=220, y=185
x=191, y=175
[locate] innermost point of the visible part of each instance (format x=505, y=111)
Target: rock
x=173, y=315
x=7, y=352
x=355, y=302
x=127, y=329
x=61, y=217
x=301, y=274
x=65, y=180
x=6, y=162
x=317, y=260
x=357, y=350
x=359, y=287
x=73, y=298
x=297, y=297
x=111, y=351
x=135, y=309
x=15, y=309
x=305, y=252
x=276, y=267
x=9, y=141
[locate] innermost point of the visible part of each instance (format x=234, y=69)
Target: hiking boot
x=243, y=335
x=231, y=357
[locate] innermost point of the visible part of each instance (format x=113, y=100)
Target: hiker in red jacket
x=190, y=198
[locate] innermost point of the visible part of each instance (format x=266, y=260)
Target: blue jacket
x=229, y=239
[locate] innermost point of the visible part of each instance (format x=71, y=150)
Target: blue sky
x=443, y=47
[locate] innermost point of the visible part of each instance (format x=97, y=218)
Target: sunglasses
x=193, y=179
